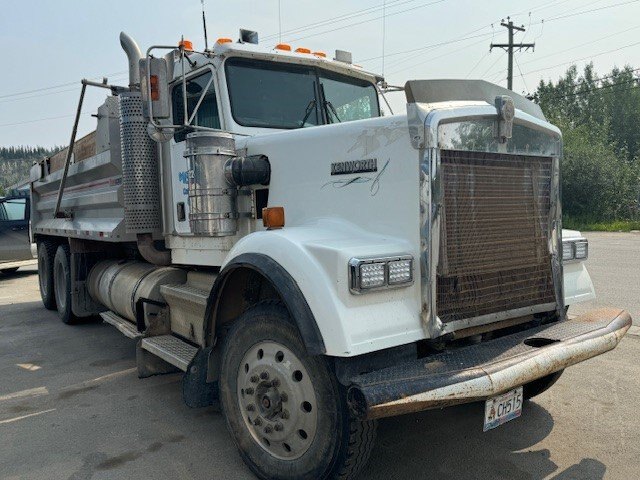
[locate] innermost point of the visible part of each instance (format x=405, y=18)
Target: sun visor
x=434, y=91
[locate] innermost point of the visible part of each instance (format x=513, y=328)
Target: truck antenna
x=204, y=26
x=384, y=25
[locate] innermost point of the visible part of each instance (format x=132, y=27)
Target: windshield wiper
x=328, y=107
x=308, y=111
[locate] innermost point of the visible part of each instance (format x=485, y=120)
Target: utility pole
x=509, y=47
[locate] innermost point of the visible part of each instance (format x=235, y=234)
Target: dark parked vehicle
x=15, y=246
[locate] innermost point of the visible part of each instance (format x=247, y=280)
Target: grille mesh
x=494, y=249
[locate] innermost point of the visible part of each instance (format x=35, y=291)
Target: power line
x=6, y=100
x=365, y=21
x=61, y=85
x=435, y=58
x=537, y=59
x=592, y=10
x=42, y=119
x=329, y=21
x=583, y=58
x=603, y=87
x=521, y=75
x=493, y=64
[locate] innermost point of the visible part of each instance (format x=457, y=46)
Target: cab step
x=170, y=349
x=127, y=328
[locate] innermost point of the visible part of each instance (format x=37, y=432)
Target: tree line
x=15, y=163
x=600, y=121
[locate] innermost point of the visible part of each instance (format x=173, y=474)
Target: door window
x=13, y=209
x=207, y=112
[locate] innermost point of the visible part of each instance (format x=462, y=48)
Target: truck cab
x=250, y=217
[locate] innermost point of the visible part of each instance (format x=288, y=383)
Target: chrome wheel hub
x=277, y=400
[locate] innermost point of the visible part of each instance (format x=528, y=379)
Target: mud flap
x=196, y=391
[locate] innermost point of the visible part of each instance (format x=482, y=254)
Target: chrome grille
x=494, y=246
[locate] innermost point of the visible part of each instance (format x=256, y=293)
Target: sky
x=50, y=45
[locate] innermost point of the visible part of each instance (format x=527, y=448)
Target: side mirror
x=154, y=84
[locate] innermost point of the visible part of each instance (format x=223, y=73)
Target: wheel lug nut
x=285, y=414
x=249, y=391
x=278, y=427
x=268, y=429
x=254, y=379
x=257, y=422
x=264, y=375
x=251, y=407
x=275, y=382
x=284, y=397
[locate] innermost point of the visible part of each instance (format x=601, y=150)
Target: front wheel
x=285, y=409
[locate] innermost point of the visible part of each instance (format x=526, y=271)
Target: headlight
x=582, y=249
x=575, y=249
x=567, y=250
x=369, y=274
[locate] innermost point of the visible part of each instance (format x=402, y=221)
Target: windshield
x=280, y=95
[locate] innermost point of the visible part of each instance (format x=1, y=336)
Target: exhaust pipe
x=134, y=54
x=150, y=253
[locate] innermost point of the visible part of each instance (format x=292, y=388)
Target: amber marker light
x=186, y=45
x=320, y=54
x=273, y=217
x=302, y=50
x=283, y=46
x=224, y=40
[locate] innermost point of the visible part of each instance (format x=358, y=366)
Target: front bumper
x=487, y=369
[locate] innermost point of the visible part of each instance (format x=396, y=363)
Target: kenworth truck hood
x=373, y=188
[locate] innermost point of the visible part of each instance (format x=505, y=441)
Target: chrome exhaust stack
x=134, y=55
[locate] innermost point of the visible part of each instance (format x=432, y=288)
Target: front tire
x=46, y=254
x=285, y=410
x=62, y=282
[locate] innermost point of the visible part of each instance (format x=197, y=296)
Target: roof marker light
x=283, y=46
x=224, y=40
x=320, y=54
x=302, y=50
x=186, y=45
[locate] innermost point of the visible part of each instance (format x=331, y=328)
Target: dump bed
x=92, y=204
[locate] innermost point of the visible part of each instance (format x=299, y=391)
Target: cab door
x=14, y=229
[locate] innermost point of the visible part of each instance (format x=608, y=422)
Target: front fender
x=316, y=257
x=578, y=286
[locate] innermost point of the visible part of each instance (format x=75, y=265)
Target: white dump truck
x=310, y=264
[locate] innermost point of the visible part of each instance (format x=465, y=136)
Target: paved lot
x=71, y=407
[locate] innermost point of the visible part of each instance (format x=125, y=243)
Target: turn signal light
x=186, y=45
x=283, y=46
x=155, y=91
x=273, y=217
x=224, y=40
x=302, y=50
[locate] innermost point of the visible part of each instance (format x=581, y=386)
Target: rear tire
x=9, y=271
x=62, y=282
x=46, y=253
x=300, y=427
x=535, y=388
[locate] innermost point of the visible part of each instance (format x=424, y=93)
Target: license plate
x=501, y=409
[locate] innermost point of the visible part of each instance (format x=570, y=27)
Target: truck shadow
x=450, y=444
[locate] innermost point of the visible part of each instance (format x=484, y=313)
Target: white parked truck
x=254, y=220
